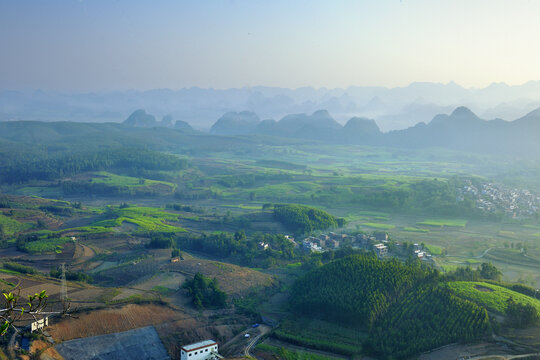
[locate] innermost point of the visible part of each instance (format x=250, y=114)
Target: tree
x=520, y=315
x=205, y=292
x=488, y=271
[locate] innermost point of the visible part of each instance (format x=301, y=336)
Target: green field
x=10, y=226
x=379, y=226
x=444, y=222
x=321, y=335
x=414, y=229
x=491, y=296
x=104, y=177
x=46, y=245
x=287, y=354
x=434, y=249
x=146, y=218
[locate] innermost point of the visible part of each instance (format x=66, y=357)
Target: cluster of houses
x=324, y=241
x=377, y=242
x=420, y=253
x=493, y=197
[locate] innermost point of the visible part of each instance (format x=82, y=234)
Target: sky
x=104, y=45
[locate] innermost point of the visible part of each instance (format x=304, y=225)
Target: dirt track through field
x=83, y=253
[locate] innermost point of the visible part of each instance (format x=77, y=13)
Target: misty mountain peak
x=236, y=123
x=140, y=118
x=463, y=111
x=322, y=114
x=534, y=113
x=359, y=125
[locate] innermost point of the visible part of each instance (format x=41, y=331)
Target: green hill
x=424, y=319
x=491, y=296
x=405, y=307
x=304, y=219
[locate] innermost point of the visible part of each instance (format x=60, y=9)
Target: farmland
x=379, y=226
x=309, y=332
x=288, y=354
x=140, y=234
x=443, y=222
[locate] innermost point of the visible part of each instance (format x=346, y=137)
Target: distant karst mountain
x=393, y=108
x=139, y=118
x=460, y=130
x=236, y=123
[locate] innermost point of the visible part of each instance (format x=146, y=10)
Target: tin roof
x=199, y=345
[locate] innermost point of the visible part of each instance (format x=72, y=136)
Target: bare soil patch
x=45, y=349
x=114, y=320
x=175, y=328
x=232, y=279
x=483, y=288
x=457, y=351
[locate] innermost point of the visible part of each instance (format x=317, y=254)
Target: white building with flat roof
x=203, y=350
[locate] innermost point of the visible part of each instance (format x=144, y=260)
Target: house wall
x=199, y=354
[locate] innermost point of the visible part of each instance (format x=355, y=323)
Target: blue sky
x=107, y=45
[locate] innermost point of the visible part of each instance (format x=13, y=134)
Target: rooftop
x=200, y=344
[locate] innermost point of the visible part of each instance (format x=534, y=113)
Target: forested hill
x=406, y=307
x=303, y=219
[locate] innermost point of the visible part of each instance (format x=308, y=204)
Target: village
x=378, y=242
x=492, y=198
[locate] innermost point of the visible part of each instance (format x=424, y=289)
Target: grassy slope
x=11, y=226
x=147, y=218
x=493, y=300
x=108, y=178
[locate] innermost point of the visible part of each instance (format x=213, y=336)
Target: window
x=206, y=350
x=190, y=354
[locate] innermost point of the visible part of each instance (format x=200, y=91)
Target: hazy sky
x=130, y=44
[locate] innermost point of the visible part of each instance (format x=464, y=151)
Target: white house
x=380, y=249
x=203, y=350
x=39, y=324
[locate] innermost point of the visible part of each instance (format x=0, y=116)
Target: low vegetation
x=493, y=297
x=321, y=335
x=287, y=354
x=23, y=269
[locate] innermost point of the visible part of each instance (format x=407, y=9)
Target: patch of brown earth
x=483, y=288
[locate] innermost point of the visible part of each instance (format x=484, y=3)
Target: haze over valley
x=269, y=180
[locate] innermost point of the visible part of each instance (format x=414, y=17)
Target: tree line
x=240, y=248
x=40, y=165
